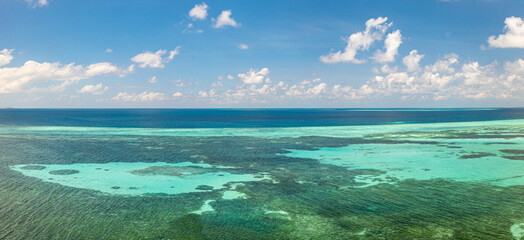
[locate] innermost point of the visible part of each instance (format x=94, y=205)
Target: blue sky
x=468, y=53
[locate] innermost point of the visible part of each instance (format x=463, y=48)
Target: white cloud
x=387, y=69
x=445, y=65
x=177, y=94
x=140, y=97
x=173, y=53
x=94, y=89
x=392, y=42
x=230, y=77
x=15, y=78
x=442, y=81
x=515, y=68
x=446, y=78
x=199, y=11
x=189, y=29
x=306, y=90
x=5, y=56
x=245, y=93
x=375, y=30
x=224, y=19
x=109, y=50
x=37, y=3
x=203, y=94
x=474, y=74
x=155, y=60
x=99, y=69
x=513, y=36
x=243, y=46
x=412, y=61
x=217, y=84
x=178, y=82
x=152, y=79
x=254, y=77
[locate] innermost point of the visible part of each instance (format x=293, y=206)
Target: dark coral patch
x=477, y=155
x=521, y=157
x=33, y=167
x=64, y=172
x=513, y=151
x=204, y=187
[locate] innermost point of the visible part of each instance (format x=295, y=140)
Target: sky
x=261, y=54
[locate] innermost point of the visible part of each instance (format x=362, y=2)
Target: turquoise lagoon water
x=104, y=174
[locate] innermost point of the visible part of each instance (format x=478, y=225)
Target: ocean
x=262, y=173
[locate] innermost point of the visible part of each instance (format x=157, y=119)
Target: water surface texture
x=262, y=174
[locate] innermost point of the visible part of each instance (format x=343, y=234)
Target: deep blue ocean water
x=240, y=118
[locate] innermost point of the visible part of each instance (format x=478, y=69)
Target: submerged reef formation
x=402, y=181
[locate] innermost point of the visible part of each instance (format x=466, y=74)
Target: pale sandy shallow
x=336, y=131
x=397, y=161
x=118, y=177
x=419, y=162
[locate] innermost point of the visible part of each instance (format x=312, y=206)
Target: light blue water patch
x=338, y=131
x=138, y=178
x=206, y=207
x=517, y=230
x=420, y=162
x=419, y=109
x=230, y=195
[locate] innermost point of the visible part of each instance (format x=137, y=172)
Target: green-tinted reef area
x=412, y=181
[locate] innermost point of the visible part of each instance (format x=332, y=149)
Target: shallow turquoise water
x=462, y=180
x=125, y=178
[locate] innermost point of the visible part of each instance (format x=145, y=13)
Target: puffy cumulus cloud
x=254, y=77
x=343, y=92
x=513, y=36
x=307, y=89
x=97, y=89
x=5, y=56
x=100, y=68
x=446, y=78
x=277, y=92
x=224, y=19
x=179, y=83
x=412, y=61
x=444, y=65
x=204, y=94
x=155, y=60
x=243, y=46
x=473, y=73
x=515, y=68
x=387, y=69
x=199, y=11
x=37, y=3
x=189, y=29
x=245, y=93
x=140, y=97
x=177, y=94
x=392, y=42
x=14, y=79
x=375, y=30
x=152, y=79
x=217, y=84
